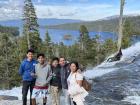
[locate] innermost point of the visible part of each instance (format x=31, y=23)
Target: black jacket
x=56, y=80
x=65, y=72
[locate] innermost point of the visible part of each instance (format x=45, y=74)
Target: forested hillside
x=109, y=24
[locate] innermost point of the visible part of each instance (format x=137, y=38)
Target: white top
x=73, y=77
x=72, y=82
x=76, y=92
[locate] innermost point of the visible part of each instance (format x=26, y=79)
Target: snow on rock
x=129, y=55
x=130, y=52
x=133, y=99
x=96, y=72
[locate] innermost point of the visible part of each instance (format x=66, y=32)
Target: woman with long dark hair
x=75, y=89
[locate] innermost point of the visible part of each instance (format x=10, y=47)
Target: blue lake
x=57, y=35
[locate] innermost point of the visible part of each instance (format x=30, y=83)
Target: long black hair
x=54, y=59
x=76, y=64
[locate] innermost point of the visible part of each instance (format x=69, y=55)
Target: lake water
x=57, y=35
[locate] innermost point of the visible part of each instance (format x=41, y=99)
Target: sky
x=87, y=10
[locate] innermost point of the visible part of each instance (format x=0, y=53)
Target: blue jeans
x=67, y=97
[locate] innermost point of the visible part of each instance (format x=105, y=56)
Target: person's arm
x=34, y=66
x=21, y=68
x=79, y=78
x=50, y=75
x=68, y=71
x=34, y=73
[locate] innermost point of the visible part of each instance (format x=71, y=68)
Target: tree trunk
x=120, y=33
x=28, y=40
x=7, y=66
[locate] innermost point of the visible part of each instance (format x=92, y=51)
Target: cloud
x=83, y=12
x=12, y=9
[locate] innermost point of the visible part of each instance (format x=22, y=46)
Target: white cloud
x=83, y=12
x=12, y=9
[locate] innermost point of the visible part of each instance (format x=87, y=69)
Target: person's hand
x=33, y=75
x=53, y=74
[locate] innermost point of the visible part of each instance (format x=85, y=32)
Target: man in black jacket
x=65, y=71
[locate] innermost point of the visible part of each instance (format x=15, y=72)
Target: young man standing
x=65, y=71
x=43, y=76
x=27, y=67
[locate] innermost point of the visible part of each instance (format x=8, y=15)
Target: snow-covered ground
x=39, y=101
x=16, y=91
x=100, y=70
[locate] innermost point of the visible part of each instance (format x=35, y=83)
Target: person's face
x=41, y=60
x=30, y=56
x=55, y=63
x=73, y=67
x=62, y=61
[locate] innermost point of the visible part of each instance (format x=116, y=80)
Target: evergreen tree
x=48, y=46
x=9, y=59
x=31, y=27
x=84, y=44
x=84, y=37
x=127, y=34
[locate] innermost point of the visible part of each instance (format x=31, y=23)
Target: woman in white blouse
x=75, y=89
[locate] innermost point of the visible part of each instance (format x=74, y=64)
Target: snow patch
x=129, y=55
x=133, y=99
x=97, y=72
x=16, y=91
x=131, y=52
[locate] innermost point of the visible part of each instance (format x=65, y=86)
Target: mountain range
x=109, y=24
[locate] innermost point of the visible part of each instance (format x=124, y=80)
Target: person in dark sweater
x=55, y=83
x=65, y=72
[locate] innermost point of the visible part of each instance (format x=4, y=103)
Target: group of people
x=58, y=76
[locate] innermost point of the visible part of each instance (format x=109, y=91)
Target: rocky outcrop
x=4, y=97
x=114, y=87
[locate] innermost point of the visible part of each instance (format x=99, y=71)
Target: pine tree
x=48, y=46
x=31, y=27
x=9, y=59
x=84, y=37
x=127, y=34
x=85, y=45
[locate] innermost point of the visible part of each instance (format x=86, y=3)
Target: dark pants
x=26, y=86
x=74, y=103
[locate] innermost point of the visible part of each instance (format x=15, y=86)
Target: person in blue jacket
x=27, y=68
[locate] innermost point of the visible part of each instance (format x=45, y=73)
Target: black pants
x=26, y=86
x=74, y=103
